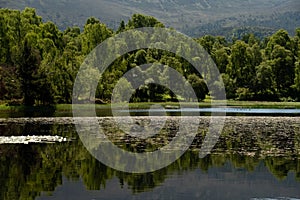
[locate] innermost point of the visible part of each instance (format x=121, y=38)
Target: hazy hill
x=193, y=17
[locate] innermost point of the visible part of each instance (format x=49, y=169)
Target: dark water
x=256, y=157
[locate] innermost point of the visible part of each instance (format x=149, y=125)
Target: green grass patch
x=263, y=104
x=146, y=105
x=105, y=109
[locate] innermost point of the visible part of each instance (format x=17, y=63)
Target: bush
x=244, y=94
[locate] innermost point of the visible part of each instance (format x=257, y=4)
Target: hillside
x=193, y=17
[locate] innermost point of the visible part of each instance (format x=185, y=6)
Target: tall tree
x=198, y=85
x=94, y=33
x=28, y=63
x=238, y=66
x=139, y=21
x=282, y=62
x=221, y=58
x=296, y=85
x=265, y=85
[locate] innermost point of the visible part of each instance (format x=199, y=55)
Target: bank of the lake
x=60, y=110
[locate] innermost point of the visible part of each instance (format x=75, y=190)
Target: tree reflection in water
x=28, y=170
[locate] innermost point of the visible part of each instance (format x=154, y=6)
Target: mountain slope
x=193, y=17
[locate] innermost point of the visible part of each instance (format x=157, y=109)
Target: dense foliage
x=39, y=62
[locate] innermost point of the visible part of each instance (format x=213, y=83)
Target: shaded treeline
x=39, y=62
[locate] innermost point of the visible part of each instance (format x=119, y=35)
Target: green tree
x=265, y=86
x=10, y=88
x=94, y=33
x=221, y=58
x=4, y=40
x=238, y=66
x=28, y=63
x=123, y=92
x=49, y=30
x=296, y=85
x=198, y=85
x=250, y=39
x=139, y=21
x=121, y=27
x=281, y=38
x=207, y=42
x=282, y=62
x=230, y=86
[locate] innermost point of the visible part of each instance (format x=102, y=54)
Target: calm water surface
x=256, y=157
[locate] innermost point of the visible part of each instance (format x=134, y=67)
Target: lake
x=256, y=157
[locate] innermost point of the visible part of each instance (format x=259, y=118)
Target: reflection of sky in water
x=227, y=110
x=224, y=182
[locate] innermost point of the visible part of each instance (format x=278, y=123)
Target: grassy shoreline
x=145, y=105
x=65, y=110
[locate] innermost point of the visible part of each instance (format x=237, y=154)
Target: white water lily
x=31, y=139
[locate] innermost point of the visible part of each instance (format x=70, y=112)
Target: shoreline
x=65, y=110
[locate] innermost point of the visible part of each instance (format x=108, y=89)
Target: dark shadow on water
x=28, y=111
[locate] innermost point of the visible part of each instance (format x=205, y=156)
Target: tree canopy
x=39, y=62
